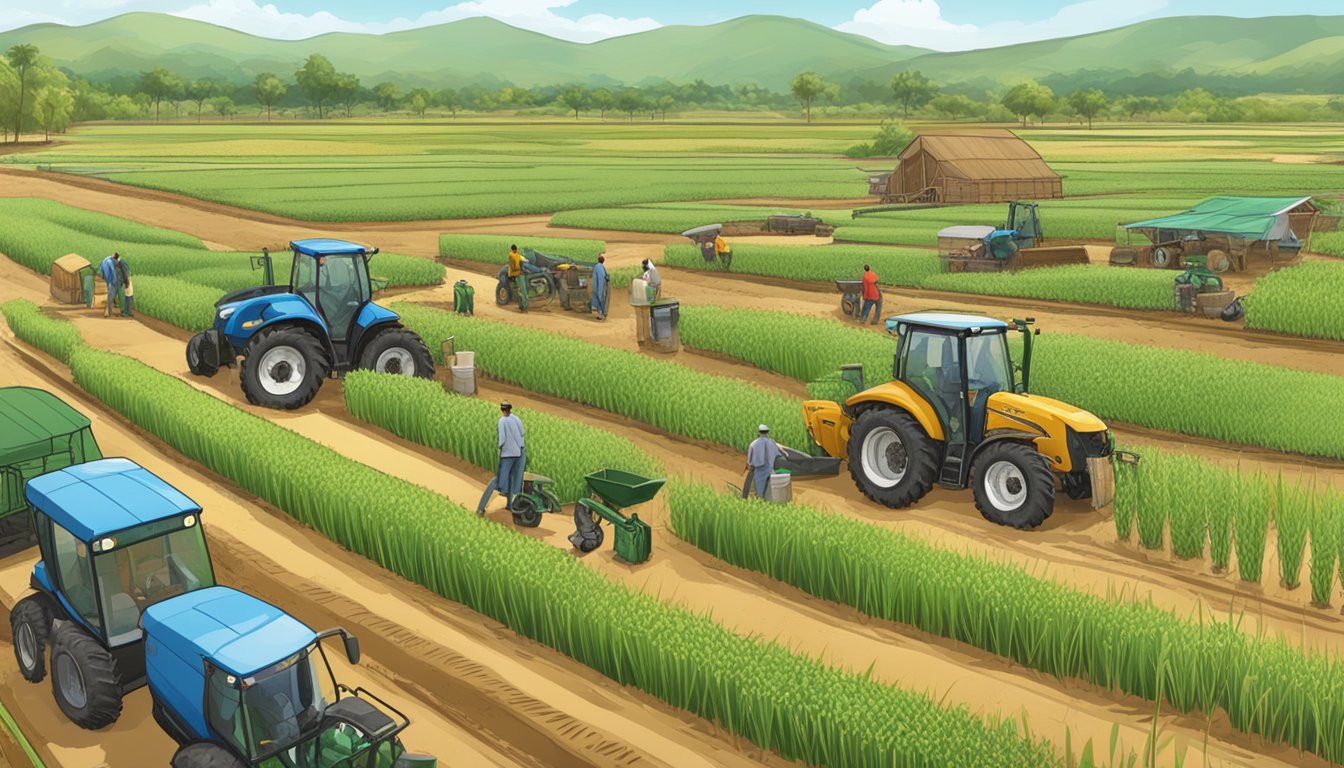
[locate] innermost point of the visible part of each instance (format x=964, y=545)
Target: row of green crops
x=494, y=249
x=675, y=218
x=1305, y=299
x=1270, y=687
x=659, y=393
x=1079, y=283
x=1198, y=504
x=31, y=324
x=1192, y=393
x=779, y=700
x=176, y=278
x=421, y=411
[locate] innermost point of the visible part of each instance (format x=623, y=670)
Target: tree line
x=37, y=96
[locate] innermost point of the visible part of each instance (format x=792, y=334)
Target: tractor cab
x=270, y=696
x=115, y=541
x=292, y=337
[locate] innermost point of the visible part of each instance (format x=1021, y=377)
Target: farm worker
x=651, y=277
x=124, y=281
x=872, y=297
x=598, y=289
x=516, y=275
x=721, y=247
x=761, y=455
x=512, y=456
x=108, y=269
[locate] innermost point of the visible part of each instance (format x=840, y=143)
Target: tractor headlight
x=188, y=521
x=105, y=545
x=226, y=312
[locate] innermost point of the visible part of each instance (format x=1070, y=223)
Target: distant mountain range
x=1289, y=53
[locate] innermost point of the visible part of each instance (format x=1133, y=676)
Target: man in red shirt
x=872, y=297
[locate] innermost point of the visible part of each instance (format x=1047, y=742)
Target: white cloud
x=921, y=23
x=537, y=15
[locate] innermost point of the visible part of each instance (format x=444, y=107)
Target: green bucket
x=634, y=540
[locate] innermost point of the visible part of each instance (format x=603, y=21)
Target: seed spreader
x=614, y=490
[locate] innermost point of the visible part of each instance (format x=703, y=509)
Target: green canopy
x=29, y=419
x=1252, y=218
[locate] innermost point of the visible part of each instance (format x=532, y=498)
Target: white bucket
x=465, y=360
x=780, y=489
x=464, y=379
x=639, y=293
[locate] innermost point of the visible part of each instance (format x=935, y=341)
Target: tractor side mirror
x=351, y=647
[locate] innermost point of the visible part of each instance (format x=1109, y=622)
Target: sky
x=938, y=24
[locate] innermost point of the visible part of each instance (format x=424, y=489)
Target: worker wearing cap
x=761, y=455
x=516, y=277
x=872, y=297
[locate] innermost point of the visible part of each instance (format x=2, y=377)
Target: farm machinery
x=1012, y=246
x=956, y=415
x=611, y=491
x=125, y=596
x=548, y=277
x=705, y=238
x=1226, y=231
x=292, y=337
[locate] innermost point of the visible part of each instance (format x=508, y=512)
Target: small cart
x=614, y=490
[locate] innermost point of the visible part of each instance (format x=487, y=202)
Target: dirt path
x=745, y=602
x=474, y=690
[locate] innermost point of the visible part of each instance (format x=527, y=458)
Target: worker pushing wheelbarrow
x=612, y=490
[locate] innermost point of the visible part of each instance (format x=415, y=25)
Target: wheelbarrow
x=612, y=491
x=851, y=298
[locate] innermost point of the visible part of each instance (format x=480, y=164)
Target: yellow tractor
x=956, y=414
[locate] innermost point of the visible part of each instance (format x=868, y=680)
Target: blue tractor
x=323, y=322
x=125, y=596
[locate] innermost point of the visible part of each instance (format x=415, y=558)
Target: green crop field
x=1305, y=299
x=386, y=171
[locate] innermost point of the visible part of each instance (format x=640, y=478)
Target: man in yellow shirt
x=516, y=277
x=722, y=251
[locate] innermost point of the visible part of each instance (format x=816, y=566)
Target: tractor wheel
x=399, y=351
x=84, y=679
x=206, y=754
x=504, y=293
x=283, y=368
x=196, y=360
x=541, y=291
x=1165, y=257
x=1218, y=261
x=891, y=458
x=525, y=512
x=30, y=627
x=1013, y=485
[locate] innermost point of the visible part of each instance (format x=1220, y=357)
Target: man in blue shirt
x=508, y=480
x=597, y=289
x=761, y=455
x=112, y=278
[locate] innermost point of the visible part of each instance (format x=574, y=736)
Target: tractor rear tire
x=1165, y=257
x=205, y=754
x=1013, y=484
x=525, y=512
x=196, y=360
x=504, y=293
x=84, y=678
x=297, y=355
x=30, y=629
x=892, y=460
x=392, y=350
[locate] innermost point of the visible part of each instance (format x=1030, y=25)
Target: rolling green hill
x=1288, y=53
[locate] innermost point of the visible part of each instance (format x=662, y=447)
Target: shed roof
x=1253, y=218
x=991, y=153
x=71, y=262
x=30, y=417
x=105, y=496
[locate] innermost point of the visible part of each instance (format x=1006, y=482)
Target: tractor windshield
x=149, y=565
x=284, y=705
x=989, y=368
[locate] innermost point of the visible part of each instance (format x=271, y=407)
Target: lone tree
x=387, y=94
x=630, y=102
x=317, y=78
x=604, y=100
x=54, y=106
x=952, y=105
x=345, y=90
x=1029, y=98
x=808, y=87
x=420, y=101
x=575, y=98
x=21, y=57
x=223, y=106
x=201, y=91
x=912, y=90
x=159, y=84
x=1088, y=103
x=268, y=90
x=665, y=103
x=449, y=99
